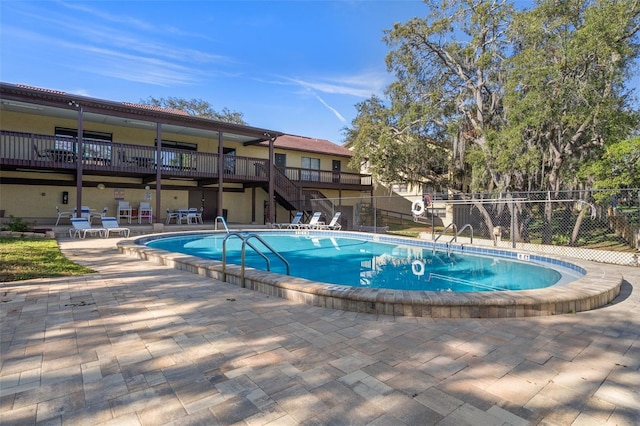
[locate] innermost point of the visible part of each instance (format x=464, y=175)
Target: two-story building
x=68, y=151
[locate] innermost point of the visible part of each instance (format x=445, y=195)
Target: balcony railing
x=29, y=150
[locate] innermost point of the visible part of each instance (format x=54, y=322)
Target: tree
x=446, y=91
x=521, y=99
x=197, y=108
x=565, y=91
x=619, y=166
x=391, y=152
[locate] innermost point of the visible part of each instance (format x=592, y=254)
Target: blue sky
x=297, y=66
x=294, y=66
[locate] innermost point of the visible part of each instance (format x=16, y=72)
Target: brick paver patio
x=138, y=343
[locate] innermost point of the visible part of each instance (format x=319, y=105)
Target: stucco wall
x=38, y=203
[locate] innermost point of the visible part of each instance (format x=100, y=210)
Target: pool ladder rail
x=456, y=232
x=245, y=242
x=224, y=223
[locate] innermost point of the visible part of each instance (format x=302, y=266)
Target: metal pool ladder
x=245, y=242
x=224, y=223
x=456, y=232
x=455, y=237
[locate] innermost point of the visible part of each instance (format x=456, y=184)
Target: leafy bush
x=17, y=224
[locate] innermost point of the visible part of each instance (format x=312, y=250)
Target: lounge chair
x=61, y=215
x=110, y=225
x=293, y=224
x=82, y=227
x=333, y=225
x=313, y=222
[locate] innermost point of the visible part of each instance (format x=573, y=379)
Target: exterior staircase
x=293, y=198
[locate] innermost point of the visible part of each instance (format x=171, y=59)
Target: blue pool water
x=360, y=263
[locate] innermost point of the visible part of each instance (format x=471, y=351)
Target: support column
x=79, y=157
x=220, y=172
x=272, y=204
x=158, y=171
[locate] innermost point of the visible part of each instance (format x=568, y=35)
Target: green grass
x=27, y=258
x=596, y=238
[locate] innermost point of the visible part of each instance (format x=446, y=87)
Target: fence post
x=513, y=221
x=375, y=215
x=433, y=222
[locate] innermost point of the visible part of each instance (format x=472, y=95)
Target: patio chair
x=110, y=224
x=46, y=155
x=333, y=225
x=199, y=215
x=68, y=214
x=124, y=211
x=82, y=227
x=98, y=215
x=190, y=217
x=172, y=215
x=313, y=222
x=85, y=212
x=145, y=212
x=293, y=224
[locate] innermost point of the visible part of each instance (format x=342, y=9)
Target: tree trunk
x=576, y=227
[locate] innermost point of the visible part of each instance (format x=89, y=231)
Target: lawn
x=27, y=258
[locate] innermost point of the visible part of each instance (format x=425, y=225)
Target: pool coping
x=598, y=287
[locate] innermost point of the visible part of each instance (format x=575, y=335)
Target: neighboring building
x=266, y=175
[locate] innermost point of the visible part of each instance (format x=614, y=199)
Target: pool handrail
x=245, y=242
x=455, y=229
x=224, y=223
x=455, y=237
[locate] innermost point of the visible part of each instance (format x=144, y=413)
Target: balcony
x=28, y=151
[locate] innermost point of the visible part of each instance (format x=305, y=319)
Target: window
x=335, y=167
x=229, y=160
x=400, y=188
x=280, y=160
x=308, y=165
x=96, y=145
x=174, y=159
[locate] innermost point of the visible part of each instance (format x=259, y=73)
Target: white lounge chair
x=61, y=215
x=313, y=222
x=333, y=225
x=293, y=224
x=110, y=225
x=82, y=227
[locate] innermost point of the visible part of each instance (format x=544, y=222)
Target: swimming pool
x=358, y=262
x=599, y=286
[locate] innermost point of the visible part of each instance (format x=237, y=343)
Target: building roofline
x=58, y=99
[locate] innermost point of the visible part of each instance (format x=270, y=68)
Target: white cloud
x=330, y=108
x=361, y=85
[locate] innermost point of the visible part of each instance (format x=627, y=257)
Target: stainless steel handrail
x=224, y=223
x=455, y=229
x=245, y=242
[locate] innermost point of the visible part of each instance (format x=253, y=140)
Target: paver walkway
x=138, y=343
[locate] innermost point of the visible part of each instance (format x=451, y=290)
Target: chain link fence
x=599, y=225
